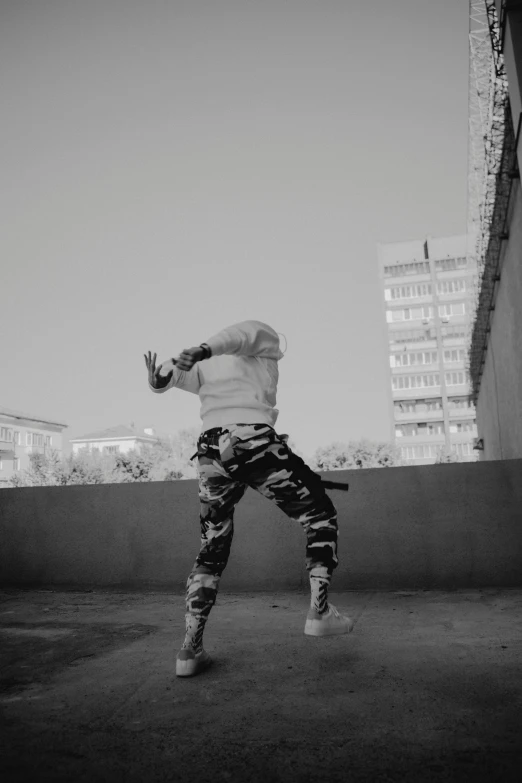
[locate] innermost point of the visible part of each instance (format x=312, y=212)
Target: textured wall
x=435, y=526
x=499, y=409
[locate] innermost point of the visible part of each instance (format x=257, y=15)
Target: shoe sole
x=192, y=666
x=319, y=628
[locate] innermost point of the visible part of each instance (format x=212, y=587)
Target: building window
x=451, y=286
x=462, y=449
x=415, y=381
x=455, y=378
x=454, y=332
x=419, y=452
x=1, y=465
x=34, y=439
x=409, y=359
x=460, y=402
x=450, y=264
x=454, y=355
x=48, y=440
x=414, y=268
x=6, y=434
x=463, y=426
x=447, y=310
x=405, y=406
x=422, y=429
x=409, y=314
x=407, y=430
x=16, y=438
x=415, y=291
x=111, y=449
x=16, y=463
x=409, y=336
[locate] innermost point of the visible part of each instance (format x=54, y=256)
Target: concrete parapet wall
x=436, y=526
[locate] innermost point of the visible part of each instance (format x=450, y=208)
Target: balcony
x=454, y=274
x=411, y=301
x=461, y=390
x=420, y=440
x=418, y=416
x=415, y=394
x=463, y=437
x=449, y=297
x=391, y=281
x=454, y=366
x=416, y=369
x=462, y=413
x=454, y=342
x=409, y=344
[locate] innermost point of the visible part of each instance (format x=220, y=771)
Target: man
x=235, y=374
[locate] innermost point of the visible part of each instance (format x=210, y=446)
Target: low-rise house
x=121, y=438
x=23, y=434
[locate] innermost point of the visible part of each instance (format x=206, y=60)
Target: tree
x=447, y=456
x=182, y=447
x=89, y=468
x=44, y=470
x=166, y=460
x=52, y=469
x=355, y=454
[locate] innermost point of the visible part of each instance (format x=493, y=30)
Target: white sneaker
x=331, y=623
x=189, y=663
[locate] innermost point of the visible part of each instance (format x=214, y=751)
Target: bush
x=356, y=454
x=166, y=460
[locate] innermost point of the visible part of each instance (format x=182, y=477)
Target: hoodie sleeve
x=188, y=381
x=247, y=338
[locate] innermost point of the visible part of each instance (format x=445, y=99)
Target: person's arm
x=247, y=338
x=167, y=375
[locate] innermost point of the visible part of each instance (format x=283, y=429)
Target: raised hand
x=188, y=358
x=156, y=380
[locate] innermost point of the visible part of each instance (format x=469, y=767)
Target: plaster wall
x=435, y=526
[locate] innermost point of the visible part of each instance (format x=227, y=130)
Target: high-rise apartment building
x=428, y=289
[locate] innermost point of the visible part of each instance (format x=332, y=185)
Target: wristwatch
x=207, y=350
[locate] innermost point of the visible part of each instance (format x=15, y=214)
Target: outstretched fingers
x=150, y=361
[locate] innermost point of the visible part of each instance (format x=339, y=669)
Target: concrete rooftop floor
x=428, y=687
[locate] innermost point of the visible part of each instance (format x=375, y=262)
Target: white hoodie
x=238, y=384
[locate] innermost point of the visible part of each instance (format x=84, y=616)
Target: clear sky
x=171, y=168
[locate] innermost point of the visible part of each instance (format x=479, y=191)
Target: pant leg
x=258, y=457
x=219, y=495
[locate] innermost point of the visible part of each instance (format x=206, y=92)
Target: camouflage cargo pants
x=238, y=456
